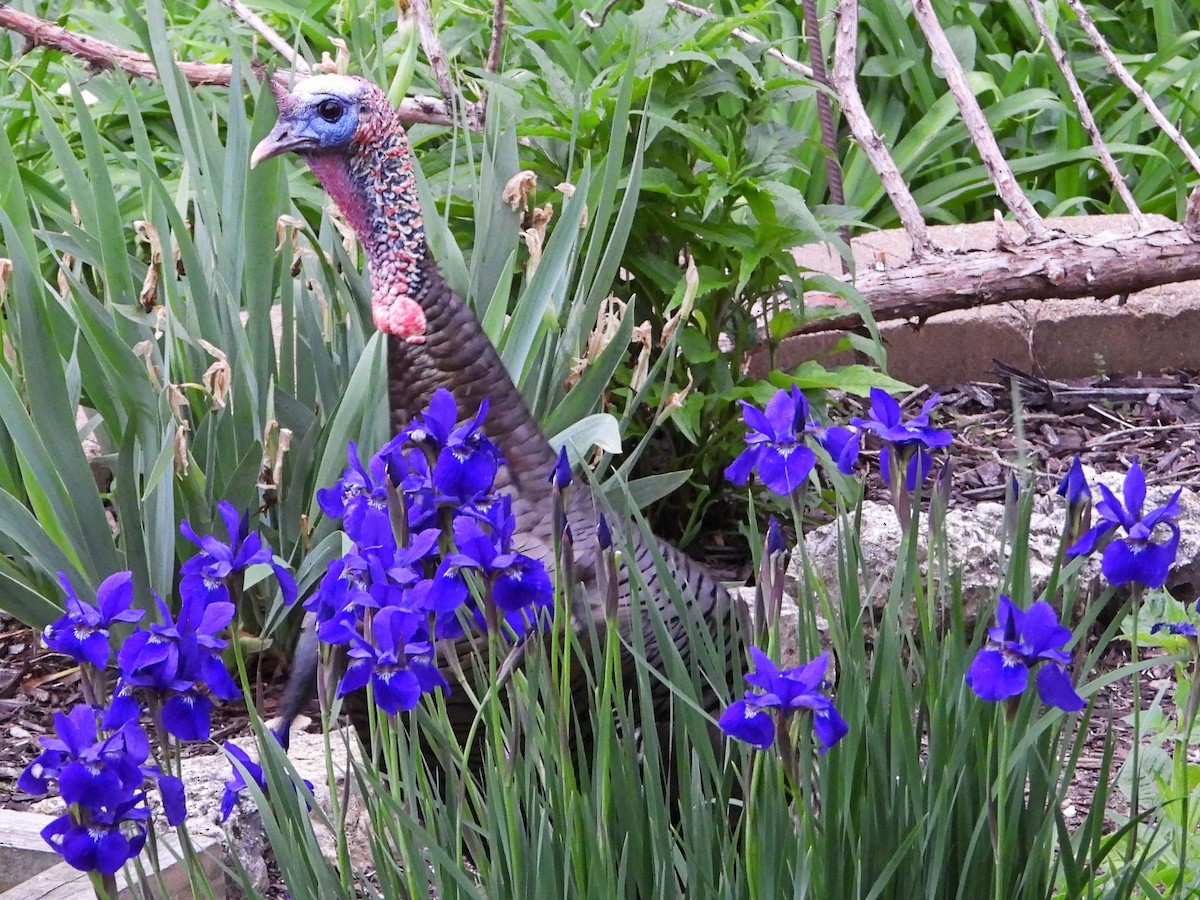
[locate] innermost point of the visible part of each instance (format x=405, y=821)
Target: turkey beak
x=284, y=137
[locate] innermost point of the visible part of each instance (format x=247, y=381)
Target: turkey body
x=353, y=141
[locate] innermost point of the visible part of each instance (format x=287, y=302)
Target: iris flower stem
x=752, y=776
x=1136, y=590
x=898, y=485
x=807, y=643
x=105, y=886
x=89, y=679
x=1180, y=762
x=612, y=655
x=1000, y=847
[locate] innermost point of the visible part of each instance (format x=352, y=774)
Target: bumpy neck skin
x=375, y=187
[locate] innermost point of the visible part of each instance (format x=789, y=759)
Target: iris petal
x=749, y=724
x=1055, y=688
x=993, y=676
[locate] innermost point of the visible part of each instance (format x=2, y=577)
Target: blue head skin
x=352, y=139
x=321, y=115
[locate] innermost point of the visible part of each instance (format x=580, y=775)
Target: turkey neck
x=375, y=187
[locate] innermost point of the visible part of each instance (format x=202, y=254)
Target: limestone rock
x=789, y=621
x=973, y=549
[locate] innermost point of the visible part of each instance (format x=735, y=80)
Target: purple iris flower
x=82, y=633
x=398, y=667
x=109, y=839
x=237, y=781
x=1134, y=558
x=1184, y=629
x=883, y=420
x=180, y=661
x=206, y=575
x=99, y=762
x=519, y=584
x=466, y=459
x=359, y=499
x=1074, y=487
x=910, y=441
x=1021, y=640
x=78, y=756
x=560, y=475
x=842, y=444
x=775, y=445
x=786, y=691
x=408, y=468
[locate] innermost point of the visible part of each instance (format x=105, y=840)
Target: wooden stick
x=1085, y=114
x=1063, y=267
x=432, y=46
x=493, y=57
x=1115, y=66
x=101, y=55
x=740, y=33
x=269, y=34
x=999, y=172
x=845, y=84
x=833, y=163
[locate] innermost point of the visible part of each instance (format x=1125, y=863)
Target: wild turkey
x=352, y=139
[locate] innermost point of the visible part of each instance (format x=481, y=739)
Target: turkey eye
x=329, y=110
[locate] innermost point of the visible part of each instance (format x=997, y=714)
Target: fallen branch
x=999, y=172
x=1062, y=267
x=101, y=55
x=845, y=83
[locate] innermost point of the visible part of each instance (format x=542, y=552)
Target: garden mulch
x=1107, y=421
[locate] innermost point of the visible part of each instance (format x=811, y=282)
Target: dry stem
x=1118, y=68
x=493, y=57
x=101, y=55
x=833, y=165
x=432, y=46
x=855, y=114
x=981, y=135
x=1085, y=114
x=269, y=34
x=740, y=33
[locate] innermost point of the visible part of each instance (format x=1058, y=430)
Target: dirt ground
x=1107, y=421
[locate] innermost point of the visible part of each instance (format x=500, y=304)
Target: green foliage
x=695, y=168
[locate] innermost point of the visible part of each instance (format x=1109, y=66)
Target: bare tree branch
x=1085, y=114
x=981, y=135
x=432, y=46
x=740, y=33
x=833, y=164
x=1063, y=266
x=269, y=34
x=493, y=57
x=846, y=86
x=1115, y=66
x=102, y=55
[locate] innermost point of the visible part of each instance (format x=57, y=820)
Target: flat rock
x=975, y=553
